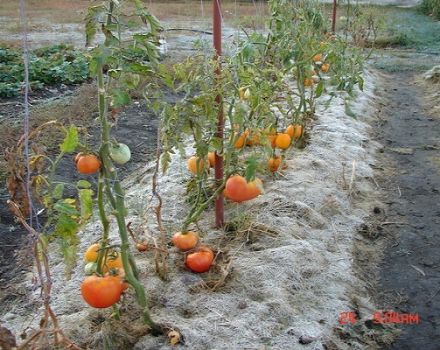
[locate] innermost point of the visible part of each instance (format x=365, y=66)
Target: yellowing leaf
x=71, y=140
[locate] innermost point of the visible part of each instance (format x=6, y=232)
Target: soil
x=410, y=178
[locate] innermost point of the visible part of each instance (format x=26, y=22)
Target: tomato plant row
x=270, y=85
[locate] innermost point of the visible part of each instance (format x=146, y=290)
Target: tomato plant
x=117, y=66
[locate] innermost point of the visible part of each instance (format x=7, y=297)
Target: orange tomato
x=120, y=273
x=211, y=159
x=235, y=189
x=283, y=141
x=254, y=189
x=241, y=140
x=271, y=135
x=274, y=163
x=185, y=241
x=317, y=57
x=325, y=67
x=197, y=165
x=87, y=163
x=308, y=82
x=294, y=131
x=254, y=140
x=238, y=190
x=91, y=254
x=114, y=261
x=142, y=246
x=101, y=292
x=201, y=260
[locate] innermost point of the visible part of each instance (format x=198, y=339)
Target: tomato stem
x=111, y=186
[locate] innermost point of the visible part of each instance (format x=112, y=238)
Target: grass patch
x=410, y=29
x=431, y=8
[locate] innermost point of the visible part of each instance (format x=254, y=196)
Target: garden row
x=269, y=84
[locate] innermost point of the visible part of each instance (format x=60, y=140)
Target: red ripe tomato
x=101, y=292
x=201, y=260
x=87, y=163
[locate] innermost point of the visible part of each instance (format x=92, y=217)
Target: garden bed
x=284, y=273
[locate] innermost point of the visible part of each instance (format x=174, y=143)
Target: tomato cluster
x=103, y=291
x=199, y=259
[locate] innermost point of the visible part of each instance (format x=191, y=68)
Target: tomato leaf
x=166, y=159
x=86, y=203
x=131, y=80
x=319, y=89
x=68, y=247
x=83, y=184
x=70, y=140
x=251, y=168
x=217, y=143
x=120, y=98
x=58, y=191
x=94, y=14
x=361, y=83
x=64, y=207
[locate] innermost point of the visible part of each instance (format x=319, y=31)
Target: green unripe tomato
x=90, y=268
x=120, y=153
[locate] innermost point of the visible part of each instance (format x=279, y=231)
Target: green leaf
x=70, y=140
x=361, y=83
x=217, y=143
x=166, y=159
x=251, y=168
x=131, y=80
x=58, y=191
x=140, y=68
x=319, y=89
x=120, y=98
x=66, y=226
x=64, y=207
x=110, y=39
x=86, y=203
x=83, y=184
x=147, y=18
x=69, y=246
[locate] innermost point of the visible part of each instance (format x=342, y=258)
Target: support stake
x=219, y=202
x=334, y=17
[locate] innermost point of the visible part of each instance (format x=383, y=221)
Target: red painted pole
x=334, y=17
x=219, y=202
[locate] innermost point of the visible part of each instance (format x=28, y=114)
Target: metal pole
x=334, y=17
x=219, y=203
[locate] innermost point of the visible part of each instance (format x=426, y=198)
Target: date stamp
x=381, y=317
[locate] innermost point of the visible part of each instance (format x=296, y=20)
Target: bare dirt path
x=410, y=273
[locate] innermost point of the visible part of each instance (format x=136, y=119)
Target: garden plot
x=284, y=278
